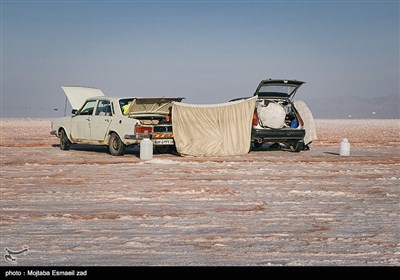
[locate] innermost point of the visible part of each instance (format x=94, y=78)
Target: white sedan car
x=115, y=122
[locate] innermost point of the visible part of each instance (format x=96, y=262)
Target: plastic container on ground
x=146, y=149
x=344, y=147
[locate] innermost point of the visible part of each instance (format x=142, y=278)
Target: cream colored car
x=100, y=120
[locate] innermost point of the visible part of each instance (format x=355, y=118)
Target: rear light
x=140, y=129
x=168, y=118
x=255, y=119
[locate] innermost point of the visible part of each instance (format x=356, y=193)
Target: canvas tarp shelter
x=213, y=130
x=308, y=119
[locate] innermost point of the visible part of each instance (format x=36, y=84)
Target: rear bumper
x=277, y=135
x=157, y=138
x=136, y=136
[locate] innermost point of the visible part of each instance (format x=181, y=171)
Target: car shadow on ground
x=104, y=149
x=270, y=147
x=98, y=149
x=331, y=153
x=266, y=147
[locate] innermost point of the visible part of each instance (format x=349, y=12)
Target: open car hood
x=153, y=105
x=78, y=95
x=278, y=88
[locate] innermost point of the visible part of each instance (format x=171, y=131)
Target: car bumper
x=278, y=135
x=157, y=140
x=136, y=136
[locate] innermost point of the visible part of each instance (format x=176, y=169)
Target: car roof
x=239, y=98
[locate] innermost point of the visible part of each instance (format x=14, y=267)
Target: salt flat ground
x=269, y=207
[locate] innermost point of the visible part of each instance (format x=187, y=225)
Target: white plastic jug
x=146, y=149
x=344, y=147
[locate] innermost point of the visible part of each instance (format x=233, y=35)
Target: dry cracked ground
x=269, y=207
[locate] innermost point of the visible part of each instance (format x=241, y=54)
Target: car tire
x=65, y=144
x=296, y=146
x=115, y=145
x=257, y=145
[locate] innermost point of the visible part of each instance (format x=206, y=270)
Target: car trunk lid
x=153, y=105
x=278, y=89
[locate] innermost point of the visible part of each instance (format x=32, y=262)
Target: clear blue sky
x=206, y=51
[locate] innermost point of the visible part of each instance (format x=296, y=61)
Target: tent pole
x=65, y=107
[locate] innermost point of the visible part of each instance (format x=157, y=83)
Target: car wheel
x=257, y=145
x=275, y=146
x=115, y=145
x=163, y=149
x=296, y=147
x=64, y=141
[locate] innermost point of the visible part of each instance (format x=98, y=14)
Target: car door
x=101, y=121
x=80, y=123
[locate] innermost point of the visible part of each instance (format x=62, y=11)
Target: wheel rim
x=63, y=139
x=116, y=144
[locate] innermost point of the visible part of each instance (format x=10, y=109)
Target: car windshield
x=88, y=108
x=277, y=89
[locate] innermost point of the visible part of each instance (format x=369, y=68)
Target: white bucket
x=344, y=147
x=146, y=149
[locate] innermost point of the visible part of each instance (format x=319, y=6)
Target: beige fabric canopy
x=213, y=130
x=308, y=119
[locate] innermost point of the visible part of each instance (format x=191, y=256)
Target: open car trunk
x=153, y=110
x=152, y=106
x=278, y=89
x=277, y=114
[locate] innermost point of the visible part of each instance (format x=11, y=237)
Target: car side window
x=124, y=105
x=103, y=108
x=88, y=108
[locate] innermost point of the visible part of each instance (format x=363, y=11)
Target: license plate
x=163, y=142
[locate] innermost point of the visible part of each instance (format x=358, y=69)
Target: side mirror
x=74, y=112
